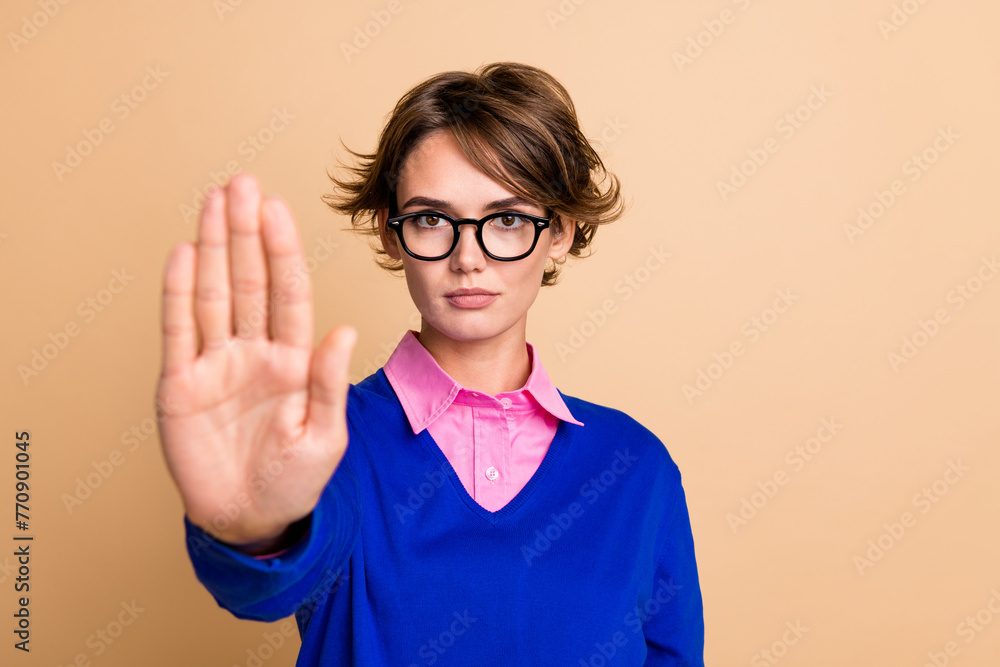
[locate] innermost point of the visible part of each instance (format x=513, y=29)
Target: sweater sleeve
x=675, y=631
x=273, y=588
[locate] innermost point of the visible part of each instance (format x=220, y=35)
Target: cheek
x=421, y=282
x=538, y=269
x=527, y=281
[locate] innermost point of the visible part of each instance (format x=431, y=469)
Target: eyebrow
x=430, y=202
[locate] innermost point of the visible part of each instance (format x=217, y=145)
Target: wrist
x=288, y=537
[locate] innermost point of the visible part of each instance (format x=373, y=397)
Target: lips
x=471, y=297
x=470, y=291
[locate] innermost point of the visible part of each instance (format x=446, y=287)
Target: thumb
x=328, y=380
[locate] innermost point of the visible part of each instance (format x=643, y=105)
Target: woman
x=479, y=515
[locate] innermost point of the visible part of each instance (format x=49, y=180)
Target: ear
x=563, y=240
x=389, y=240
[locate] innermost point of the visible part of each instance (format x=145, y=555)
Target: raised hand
x=252, y=420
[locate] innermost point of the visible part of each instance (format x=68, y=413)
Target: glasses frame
x=396, y=223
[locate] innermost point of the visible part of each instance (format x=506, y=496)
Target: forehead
x=438, y=168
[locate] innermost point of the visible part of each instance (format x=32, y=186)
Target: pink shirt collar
x=425, y=390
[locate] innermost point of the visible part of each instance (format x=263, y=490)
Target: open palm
x=252, y=419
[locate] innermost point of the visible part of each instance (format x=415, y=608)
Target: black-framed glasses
x=506, y=237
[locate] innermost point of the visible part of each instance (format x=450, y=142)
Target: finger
x=291, y=291
x=213, y=304
x=328, y=380
x=180, y=337
x=246, y=248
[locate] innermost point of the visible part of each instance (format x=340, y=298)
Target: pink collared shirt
x=494, y=443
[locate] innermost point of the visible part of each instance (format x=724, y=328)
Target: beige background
x=672, y=131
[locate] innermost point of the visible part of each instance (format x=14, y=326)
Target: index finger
x=291, y=291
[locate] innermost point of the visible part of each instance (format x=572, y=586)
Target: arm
x=675, y=634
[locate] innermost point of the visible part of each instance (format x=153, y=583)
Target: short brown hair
x=514, y=121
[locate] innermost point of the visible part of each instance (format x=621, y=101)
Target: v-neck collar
x=527, y=492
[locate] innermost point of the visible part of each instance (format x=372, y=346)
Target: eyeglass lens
x=504, y=235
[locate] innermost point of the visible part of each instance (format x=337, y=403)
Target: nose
x=467, y=252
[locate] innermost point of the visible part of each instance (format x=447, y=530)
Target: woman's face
x=438, y=169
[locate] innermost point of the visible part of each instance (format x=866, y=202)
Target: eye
x=511, y=220
x=429, y=220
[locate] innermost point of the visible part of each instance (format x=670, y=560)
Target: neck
x=491, y=366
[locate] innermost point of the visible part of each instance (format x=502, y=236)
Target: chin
x=469, y=326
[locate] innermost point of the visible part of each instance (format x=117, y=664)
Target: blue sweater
x=591, y=564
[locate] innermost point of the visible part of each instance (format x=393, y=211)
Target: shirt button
x=505, y=402
x=492, y=473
